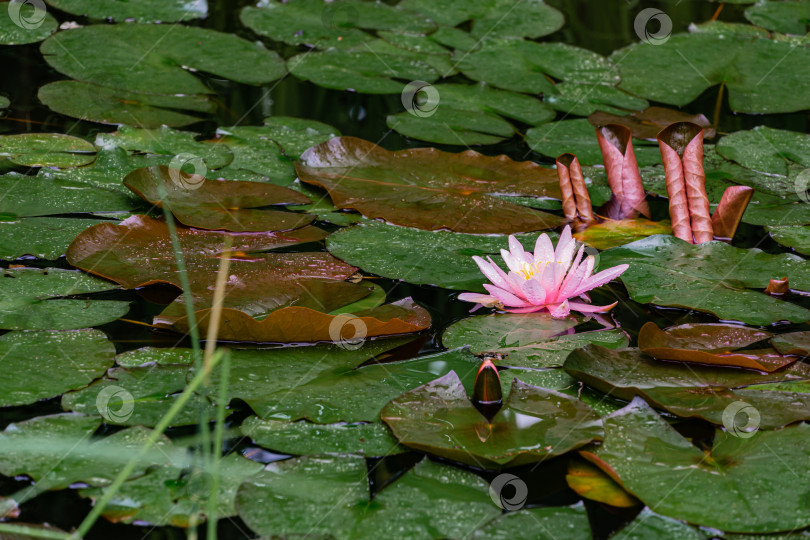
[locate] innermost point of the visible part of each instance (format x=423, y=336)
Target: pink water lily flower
x=545, y=280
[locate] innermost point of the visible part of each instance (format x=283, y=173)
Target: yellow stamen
x=528, y=271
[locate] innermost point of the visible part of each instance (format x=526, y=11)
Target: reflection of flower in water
x=545, y=280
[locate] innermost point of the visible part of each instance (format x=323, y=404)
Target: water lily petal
x=588, y=308
x=578, y=276
x=600, y=279
x=534, y=292
x=530, y=309
x=483, y=299
x=565, y=243
x=507, y=298
x=492, y=272
x=561, y=310
x=518, y=253
x=543, y=249
x=512, y=263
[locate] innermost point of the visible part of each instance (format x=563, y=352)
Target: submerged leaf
x=610, y=233
x=430, y=189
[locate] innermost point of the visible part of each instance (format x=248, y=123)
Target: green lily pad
x=528, y=340
x=439, y=258
x=164, y=142
x=126, y=55
x=293, y=135
x=301, y=488
x=171, y=495
x=24, y=196
x=107, y=105
x=585, y=99
x=155, y=355
x=429, y=189
x=440, y=419
x=137, y=396
x=525, y=66
x=795, y=236
x=30, y=299
x=467, y=114
x=366, y=72
x=108, y=171
x=725, y=486
x=453, y=126
x=25, y=22
x=579, y=137
x=780, y=154
x=59, y=450
x=691, y=391
x=515, y=18
x=787, y=17
x=46, y=150
x=549, y=523
x=449, y=12
x=685, y=65
x=300, y=438
x=483, y=98
x=713, y=277
x=324, y=384
x=150, y=11
x=40, y=237
x=651, y=526
x=65, y=360
x=329, y=24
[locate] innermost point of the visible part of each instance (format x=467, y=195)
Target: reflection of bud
x=501, y=488
x=179, y=171
x=731, y=415
x=358, y=329
x=642, y=21
x=33, y=15
x=115, y=404
x=487, y=394
x=420, y=98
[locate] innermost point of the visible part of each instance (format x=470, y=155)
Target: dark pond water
x=601, y=26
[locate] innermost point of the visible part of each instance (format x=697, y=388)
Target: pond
x=306, y=269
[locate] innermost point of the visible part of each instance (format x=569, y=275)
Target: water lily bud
x=487, y=395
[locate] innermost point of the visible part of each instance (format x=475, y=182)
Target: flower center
x=528, y=271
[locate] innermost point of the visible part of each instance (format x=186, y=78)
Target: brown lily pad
x=430, y=189
x=297, y=324
x=229, y=205
x=138, y=252
x=647, y=123
x=712, y=344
